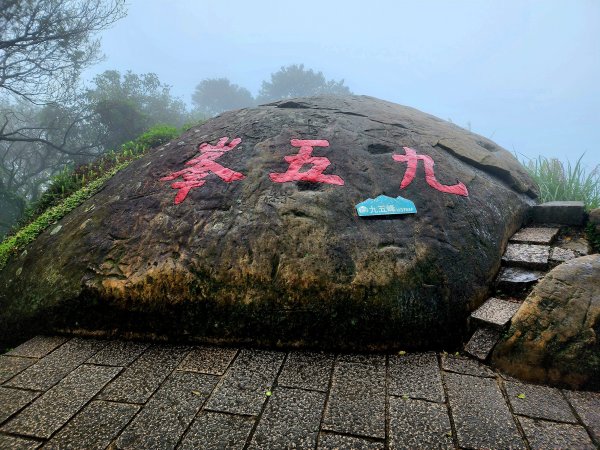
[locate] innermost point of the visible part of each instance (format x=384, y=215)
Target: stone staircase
x=553, y=236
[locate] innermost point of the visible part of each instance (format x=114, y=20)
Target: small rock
x=56, y=229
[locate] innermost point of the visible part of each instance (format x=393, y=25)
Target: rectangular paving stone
x=38, y=346
x=535, y=235
x=527, y=255
x=481, y=416
x=482, y=342
x=13, y=400
x=332, y=441
x=416, y=375
x=495, y=312
x=213, y=430
x=12, y=365
x=551, y=435
x=587, y=405
x=166, y=416
x=94, y=427
x=290, y=420
x=118, y=353
x=419, y=424
x=17, y=443
x=51, y=369
x=465, y=365
x=373, y=359
x=54, y=408
x=208, y=359
x=307, y=370
x=356, y=402
x=243, y=387
x=540, y=402
x=139, y=381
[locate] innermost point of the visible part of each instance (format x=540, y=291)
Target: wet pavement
x=62, y=393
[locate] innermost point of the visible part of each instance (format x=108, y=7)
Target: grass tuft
x=558, y=181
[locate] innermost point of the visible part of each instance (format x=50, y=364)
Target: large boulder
x=246, y=228
x=554, y=337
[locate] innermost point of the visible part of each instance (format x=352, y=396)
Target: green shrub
x=28, y=233
x=71, y=187
x=558, y=181
x=70, y=179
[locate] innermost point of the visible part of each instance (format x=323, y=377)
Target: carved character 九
x=411, y=158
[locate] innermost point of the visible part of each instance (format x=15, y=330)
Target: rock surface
x=251, y=255
x=553, y=337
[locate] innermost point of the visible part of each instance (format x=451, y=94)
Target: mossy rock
x=247, y=257
x=553, y=338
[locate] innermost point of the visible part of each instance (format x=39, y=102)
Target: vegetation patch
x=72, y=186
x=558, y=181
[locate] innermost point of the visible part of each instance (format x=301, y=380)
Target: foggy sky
x=522, y=73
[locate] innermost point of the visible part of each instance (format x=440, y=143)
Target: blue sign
x=385, y=206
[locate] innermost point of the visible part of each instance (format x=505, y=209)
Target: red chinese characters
x=201, y=166
x=304, y=156
x=411, y=158
x=198, y=168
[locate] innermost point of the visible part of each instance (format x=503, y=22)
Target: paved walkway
x=64, y=393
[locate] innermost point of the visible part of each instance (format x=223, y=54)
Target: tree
x=127, y=105
x=26, y=166
x=295, y=81
x=45, y=44
x=215, y=95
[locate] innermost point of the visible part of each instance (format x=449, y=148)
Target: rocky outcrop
x=554, y=337
x=246, y=228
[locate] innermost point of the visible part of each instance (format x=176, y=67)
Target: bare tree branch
x=44, y=44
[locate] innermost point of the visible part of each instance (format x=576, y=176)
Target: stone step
x=495, y=312
x=516, y=279
x=528, y=256
x=560, y=255
x=482, y=342
x=535, y=235
x=561, y=213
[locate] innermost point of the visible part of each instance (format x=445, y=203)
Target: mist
x=521, y=73
x=105, y=80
